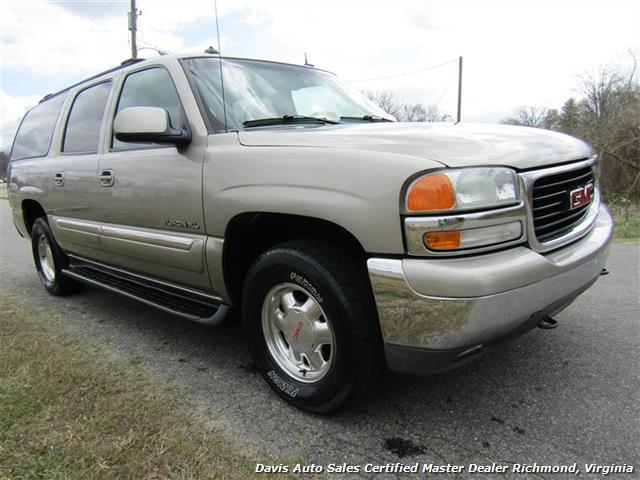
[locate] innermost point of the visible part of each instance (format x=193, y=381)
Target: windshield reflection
x=255, y=90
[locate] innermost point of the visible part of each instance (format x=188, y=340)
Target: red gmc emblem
x=297, y=331
x=580, y=196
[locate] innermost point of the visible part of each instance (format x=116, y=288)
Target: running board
x=178, y=301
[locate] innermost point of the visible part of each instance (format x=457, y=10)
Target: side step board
x=183, y=302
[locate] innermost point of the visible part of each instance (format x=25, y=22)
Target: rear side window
x=33, y=138
x=85, y=119
x=151, y=88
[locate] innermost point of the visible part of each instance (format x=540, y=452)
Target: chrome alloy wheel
x=297, y=332
x=45, y=259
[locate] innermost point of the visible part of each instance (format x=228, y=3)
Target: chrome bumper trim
x=416, y=227
x=417, y=319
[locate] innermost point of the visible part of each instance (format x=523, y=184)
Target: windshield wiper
x=285, y=120
x=368, y=118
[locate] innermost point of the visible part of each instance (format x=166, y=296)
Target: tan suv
x=348, y=241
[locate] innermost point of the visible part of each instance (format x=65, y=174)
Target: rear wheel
x=50, y=260
x=309, y=318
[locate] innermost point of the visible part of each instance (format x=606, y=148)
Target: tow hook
x=604, y=272
x=547, y=323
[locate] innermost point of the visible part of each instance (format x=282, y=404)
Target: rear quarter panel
x=28, y=179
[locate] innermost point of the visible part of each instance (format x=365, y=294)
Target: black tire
x=330, y=274
x=53, y=281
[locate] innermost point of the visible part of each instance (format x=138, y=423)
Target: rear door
x=151, y=212
x=73, y=196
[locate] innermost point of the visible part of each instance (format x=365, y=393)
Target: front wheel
x=312, y=328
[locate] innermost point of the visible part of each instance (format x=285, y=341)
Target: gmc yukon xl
x=349, y=242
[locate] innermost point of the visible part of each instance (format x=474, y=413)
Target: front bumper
x=437, y=313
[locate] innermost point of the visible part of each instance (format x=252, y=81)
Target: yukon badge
x=180, y=224
x=580, y=196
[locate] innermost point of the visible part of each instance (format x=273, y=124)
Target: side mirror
x=148, y=125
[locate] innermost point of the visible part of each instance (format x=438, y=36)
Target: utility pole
x=459, y=89
x=133, y=27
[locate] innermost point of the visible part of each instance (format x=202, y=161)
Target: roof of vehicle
x=131, y=61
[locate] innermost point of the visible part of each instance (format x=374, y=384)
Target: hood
x=459, y=145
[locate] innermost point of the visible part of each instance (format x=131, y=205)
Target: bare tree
x=600, y=90
x=386, y=101
x=415, y=112
x=419, y=113
x=610, y=113
x=606, y=115
x=528, y=117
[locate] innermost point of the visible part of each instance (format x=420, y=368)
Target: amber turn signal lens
x=431, y=192
x=442, y=240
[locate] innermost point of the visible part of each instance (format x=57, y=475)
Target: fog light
x=476, y=237
x=442, y=240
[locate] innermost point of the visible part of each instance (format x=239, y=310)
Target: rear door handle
x=106, y=178
x=58, y=179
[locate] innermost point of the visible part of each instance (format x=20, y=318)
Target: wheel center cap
x=299, y=332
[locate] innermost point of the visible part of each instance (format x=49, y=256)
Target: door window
x=34, y=135
x=85, y=119
x=152, y=87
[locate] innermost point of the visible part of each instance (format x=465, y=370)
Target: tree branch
x=620, y=159
x=623, y=144
x=633, y=185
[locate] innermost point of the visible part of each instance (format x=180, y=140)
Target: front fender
x=357, y=190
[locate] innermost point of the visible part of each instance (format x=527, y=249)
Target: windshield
x=256, y=90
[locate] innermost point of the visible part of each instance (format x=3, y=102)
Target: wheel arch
x=31, y=211
x=250, y=234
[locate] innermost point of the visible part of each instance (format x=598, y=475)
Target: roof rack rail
x=126, y=63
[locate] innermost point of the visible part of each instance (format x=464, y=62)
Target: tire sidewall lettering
x=298, y=392
x=307, y=285
x=286, y=387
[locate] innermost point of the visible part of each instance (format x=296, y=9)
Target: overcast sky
x=515, y=52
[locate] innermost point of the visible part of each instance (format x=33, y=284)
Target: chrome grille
x=552, y=214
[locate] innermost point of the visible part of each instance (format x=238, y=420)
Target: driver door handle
x=106, y=178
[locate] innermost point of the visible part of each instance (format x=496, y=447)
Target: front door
x=152, y=218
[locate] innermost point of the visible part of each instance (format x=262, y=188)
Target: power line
x=93, y=17
x=405, y=74
x=446, y=89
x=105, y=61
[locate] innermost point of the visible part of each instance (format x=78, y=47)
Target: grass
x=69, y=412
x=627, y=222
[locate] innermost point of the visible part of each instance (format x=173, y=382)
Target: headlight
x=469, y=210
x=463, y=189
